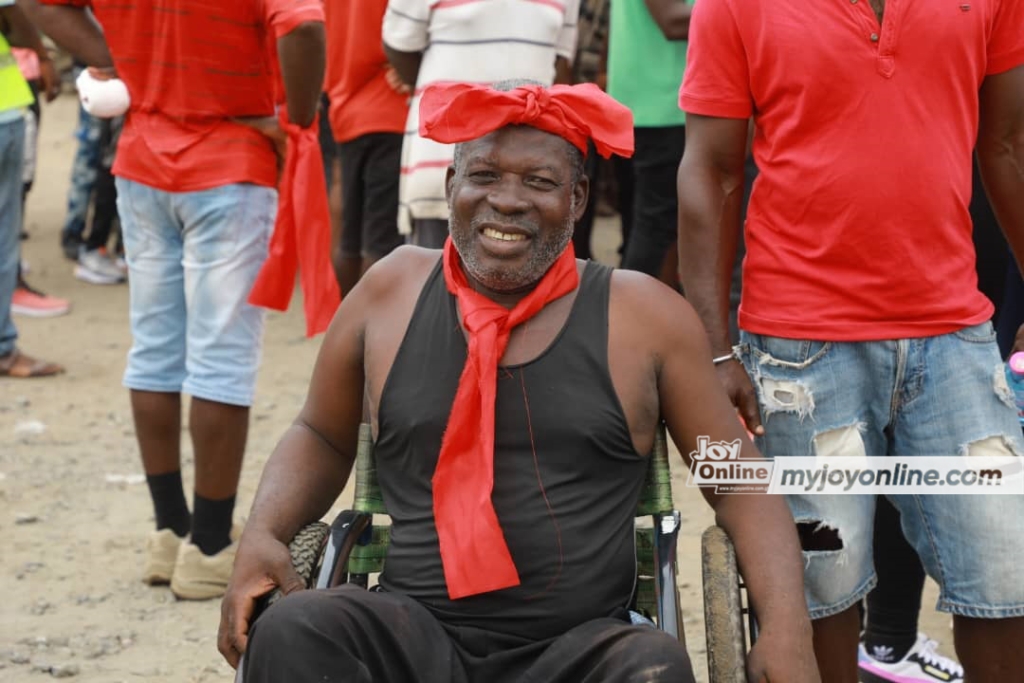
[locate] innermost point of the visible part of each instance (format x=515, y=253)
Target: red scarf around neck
x=474, y=554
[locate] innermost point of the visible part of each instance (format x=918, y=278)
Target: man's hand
x=396, y=82
x=783, y=656
x=50, y=78
x=262, y=564
x=270, y=127
x=740, y=390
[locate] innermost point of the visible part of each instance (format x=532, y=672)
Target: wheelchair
x=353, y=547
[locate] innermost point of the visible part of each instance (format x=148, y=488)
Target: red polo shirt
x=190, y=66
x=858, y=227
x=361, y=100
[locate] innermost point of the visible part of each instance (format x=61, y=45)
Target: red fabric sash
x=473, y=550
x=302, y=235
x=457, y=112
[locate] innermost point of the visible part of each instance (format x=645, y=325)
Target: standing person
x=475, y=42
x=15, y=97
x=95, y=263
x=368, y=111
x=196, y=198
x=646, y=55
x=84, y=169
x=537, y=426
x=863, y=328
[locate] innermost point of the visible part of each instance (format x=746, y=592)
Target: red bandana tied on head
x=458, y=112
x=473, y=550
x=302, y=235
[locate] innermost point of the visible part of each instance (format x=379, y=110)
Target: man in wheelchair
x=513, y=393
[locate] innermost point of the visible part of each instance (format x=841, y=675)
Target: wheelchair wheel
x=306, y=550
x=723, y=610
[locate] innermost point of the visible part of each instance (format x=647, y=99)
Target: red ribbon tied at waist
x=302, y=235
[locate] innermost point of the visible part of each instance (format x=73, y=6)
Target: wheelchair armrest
x=347, y=529
x=666, y=534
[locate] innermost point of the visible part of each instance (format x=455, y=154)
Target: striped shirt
x=476, y=41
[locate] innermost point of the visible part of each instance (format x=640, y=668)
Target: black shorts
x=370, y=165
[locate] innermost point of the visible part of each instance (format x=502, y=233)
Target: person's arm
x=563, y=71
x=1000, y=152
x=693, y=404
x=302, y=55
x=710, y=189
x=72, y=28
x=21, y=33
x=309, y=467
x=672, y=17
x=405, y=64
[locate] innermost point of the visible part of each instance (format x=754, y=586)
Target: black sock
x=169, y=503
x=211, y=525
x=893, y=606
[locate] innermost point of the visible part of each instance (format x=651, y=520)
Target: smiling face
x=514, y=199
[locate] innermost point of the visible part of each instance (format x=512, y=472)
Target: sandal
x=16, y=364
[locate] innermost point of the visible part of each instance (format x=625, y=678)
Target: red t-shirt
x=858, y=227
x=190, y=66
x=361, y=100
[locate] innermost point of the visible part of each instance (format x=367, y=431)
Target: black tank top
x=566, y=501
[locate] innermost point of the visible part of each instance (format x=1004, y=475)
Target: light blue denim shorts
x=192, y=260
x=943, y=395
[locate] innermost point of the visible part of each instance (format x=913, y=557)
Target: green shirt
x=645, y=69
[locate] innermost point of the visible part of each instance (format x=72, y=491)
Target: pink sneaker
x=34, y=304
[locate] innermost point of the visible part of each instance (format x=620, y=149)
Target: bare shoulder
x=653, y=311
x=404, y=270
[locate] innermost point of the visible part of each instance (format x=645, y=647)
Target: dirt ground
x=74, y=510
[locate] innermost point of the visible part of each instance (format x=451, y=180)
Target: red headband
x=458, y=112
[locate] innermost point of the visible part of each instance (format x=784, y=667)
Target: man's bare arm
x=672, y=17
x=72, y=28
x=302, y=54
x=407, y=64
x=1001, y=152
x=693, y=404
x=563, y=71
x=307, y=470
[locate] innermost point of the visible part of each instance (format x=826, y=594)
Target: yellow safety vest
x=14, y=91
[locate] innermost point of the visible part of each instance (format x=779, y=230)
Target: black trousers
x=350, y=635
x=655, y=200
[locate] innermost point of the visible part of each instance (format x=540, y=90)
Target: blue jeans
x=192, y=260
x=939, y=396
x=12, y=156
x=84, y=169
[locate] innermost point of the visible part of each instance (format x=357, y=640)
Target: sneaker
x=34, y=304
x=921, y=663
x=96, y=267
x=202, y=577
x=161, y=554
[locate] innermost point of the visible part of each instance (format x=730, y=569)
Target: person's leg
x=155, y=369
x=612, y=651
x=12, y=141
x=957, y=404
x=83, y=178
x=894, y=604
x=655, y=167
x=625, y=186
x=28, y=171
x=430, y=233
x=380, y=198
x=227, y=231
x=352, y=635
x=346, y=248
x=807, y=411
